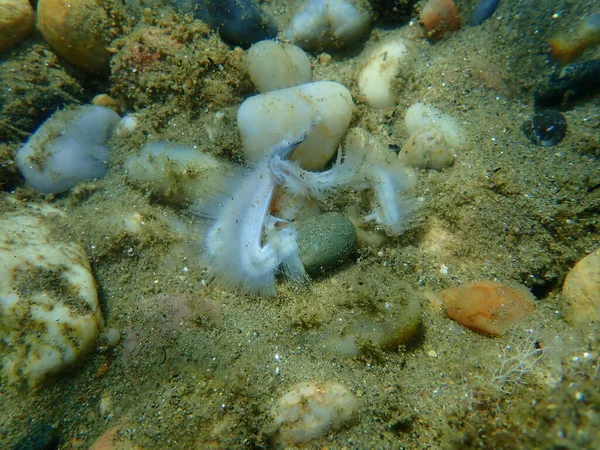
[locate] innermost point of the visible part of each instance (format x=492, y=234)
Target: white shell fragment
x=49, y=313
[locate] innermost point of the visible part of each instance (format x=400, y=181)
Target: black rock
x=240, y=22
x=483, y=11
x=546, y=128
x=569, y=83
x=39, y=437
x=394, y=11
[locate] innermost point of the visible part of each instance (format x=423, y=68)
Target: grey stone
x=325, y=241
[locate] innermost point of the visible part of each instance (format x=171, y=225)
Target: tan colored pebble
x=486, y=307
x=106, y=101
x=311, y=410
x=581, y=291
x=427, y=148
x=78, y=30
x=324, y=59
x=16, y=22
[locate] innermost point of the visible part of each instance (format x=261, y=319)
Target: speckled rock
x=310, y=410
x=49, y=312
x=16, y=22
x=581, y=291
x=325, y=241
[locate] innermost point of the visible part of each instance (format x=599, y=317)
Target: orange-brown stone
x=78, y=30
x=486, y=307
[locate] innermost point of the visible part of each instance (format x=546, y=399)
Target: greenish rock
x=325, y=241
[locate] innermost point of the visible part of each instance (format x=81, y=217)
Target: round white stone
x=322, y=108
x=382, y=67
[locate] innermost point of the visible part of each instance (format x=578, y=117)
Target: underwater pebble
x=16, y=22
x=109, y=338
x=310, y=410
x=420, y=115
x=273, y=65
x=265, y=119
x=483, y=11
x=568, y=45
x=486, y=307
x=78, y=30
x=427, y=148
x=439, y=17
x=107, y=101
x=49, y=312
x=70, y=147
x=174, y=173
x=240, y=22
x=329, y=24
x=379, y=80
x=41, y=436
x=325, y=240
x=546, y=128
x=581, y=291
x=569, y=83
x=395, y=325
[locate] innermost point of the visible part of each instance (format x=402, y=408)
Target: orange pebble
x=486, y=307
x=439, y=17
x=102, y=370
x=567, y=46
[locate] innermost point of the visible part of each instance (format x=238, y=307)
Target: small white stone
x=420, y=115
x=427, y=148
x=109, y=338
x=310, y=410
x=126, y=125
x=273, y=65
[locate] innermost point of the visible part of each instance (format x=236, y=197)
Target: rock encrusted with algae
x=49, y=313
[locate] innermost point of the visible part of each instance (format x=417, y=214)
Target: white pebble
x=427, y=148
x=309, y=410
x=420, y=115
x=328, y=24
x=381, y=71
x=273, y=65
x=324, y=108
